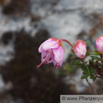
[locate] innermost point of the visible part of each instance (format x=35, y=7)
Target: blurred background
x=24, y=25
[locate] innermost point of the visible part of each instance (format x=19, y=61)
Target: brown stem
x=67, y=42
x=90, y=86
x=101, y=56
x=88, y=82
x=98, y=77
x=82, y=60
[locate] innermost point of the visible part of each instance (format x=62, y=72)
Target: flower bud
x=80, y=49
x=99, y=44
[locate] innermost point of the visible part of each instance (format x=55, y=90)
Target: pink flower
x=52, y=50
x=99, y=44
x=80, y=49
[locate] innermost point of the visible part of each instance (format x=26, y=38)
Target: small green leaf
x=87, y=42
x=100, y=64
x=63, y=72
x=97, y=58
x=84, y=76
x=73, y=55
x=93, y=71
x=92, y=60
x=92, y=77
x=73, y=68
x=68, y=67
x=75, y=62
x=95, y=53
x=90, y=69
x=84, y=69
x=85, y=73
x=95, y=49
x=87, y=54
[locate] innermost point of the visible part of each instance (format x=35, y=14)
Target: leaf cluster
x=91, y=68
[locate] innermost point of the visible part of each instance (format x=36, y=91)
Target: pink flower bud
x=99, y=44
x=52, y=50
x=80, y=49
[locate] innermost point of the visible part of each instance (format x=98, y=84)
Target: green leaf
x=73, y=55
x=95, y=49
x=68, y=67
x=63, y=72
x=97, y=58
x=84, y=76
x=95, y=53
x=73, y=68
x=87, y=42
x=85, y=73
x=90, y=69
x=92, y=60
x=93, y=71
x=75, y=62
x=87, y=54
x=100, y=64
x=85, y=69
x=92, y=77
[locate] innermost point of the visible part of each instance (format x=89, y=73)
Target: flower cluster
x=52, y=50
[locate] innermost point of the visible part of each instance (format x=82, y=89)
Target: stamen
x=45, y=58
x=40, y=64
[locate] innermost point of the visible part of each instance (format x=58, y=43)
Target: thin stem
x=90, y=86
x=101, y=56
x=98, y=77
x=67, y=42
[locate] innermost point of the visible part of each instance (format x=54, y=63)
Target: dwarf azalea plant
x=52, y=50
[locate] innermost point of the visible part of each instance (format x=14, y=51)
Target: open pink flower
x=52, y=50
x=99, y=44
x=80, y=49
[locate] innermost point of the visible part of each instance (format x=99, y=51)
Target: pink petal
x=50, y=45
x=47, y=56
x=58, y=57
x=41, y=46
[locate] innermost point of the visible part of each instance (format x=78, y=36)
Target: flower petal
x=47, y=56
x=58, y=57
x=41, y=46
x=50, y=45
